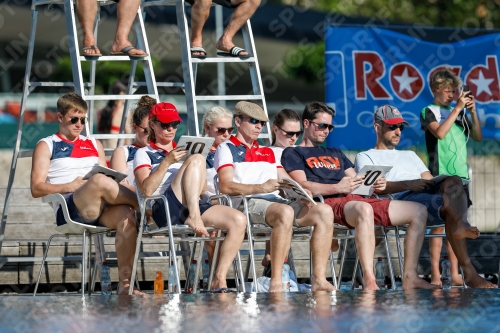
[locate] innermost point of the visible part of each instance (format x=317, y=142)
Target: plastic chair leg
x=43, y=264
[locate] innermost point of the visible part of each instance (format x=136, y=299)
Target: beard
x=389, y=143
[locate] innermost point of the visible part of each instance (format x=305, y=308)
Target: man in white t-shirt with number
x=410, y=180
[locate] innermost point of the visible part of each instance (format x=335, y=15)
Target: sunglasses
x=323, y=126
x=393, y=127
x=74, y=120
x=254, y=121
x=173, y=124
x=221, y=130
x=291, y=134
x=145, y=129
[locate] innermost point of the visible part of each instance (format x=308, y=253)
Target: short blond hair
x=214, y=113
x=444, y=78
x=71, y=101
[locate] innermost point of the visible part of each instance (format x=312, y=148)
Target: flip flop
x=221, y=291
x=126, y=50
x=234, y=52
x=200, y=50
x=90, y=47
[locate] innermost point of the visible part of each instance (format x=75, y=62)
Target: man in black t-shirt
x=327, y=171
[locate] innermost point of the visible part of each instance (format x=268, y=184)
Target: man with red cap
x=60, y=162
x=410, y=180
x=327, y=171
x=158, y=170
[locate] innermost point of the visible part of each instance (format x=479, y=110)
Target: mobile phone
x=466, y=90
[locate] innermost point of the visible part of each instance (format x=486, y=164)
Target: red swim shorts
x=380, y=209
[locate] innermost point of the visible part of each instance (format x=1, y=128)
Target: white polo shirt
x=254, y=165
x=150, y=157
x=129, y=153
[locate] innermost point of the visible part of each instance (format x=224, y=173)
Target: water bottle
x=192, y=270
x=159, y=284
x=285, y=276
x=380, y=273
x=206, y=272
x=172, y=281
x=445, y=273
x=105, y=279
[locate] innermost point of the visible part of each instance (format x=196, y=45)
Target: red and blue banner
x=368, y=67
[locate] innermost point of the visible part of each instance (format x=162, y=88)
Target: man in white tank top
x=59, y=163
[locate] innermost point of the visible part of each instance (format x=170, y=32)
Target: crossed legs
x=126, y=12
x=458, y=229
x=113, y=204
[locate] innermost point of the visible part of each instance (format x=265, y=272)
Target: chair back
x=71, y=227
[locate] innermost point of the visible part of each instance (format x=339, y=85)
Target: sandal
x=234, y=52
x=126, y=51
x=198, y=49
x=90, y=47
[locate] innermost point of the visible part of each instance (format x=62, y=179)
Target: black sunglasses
x=254, y=121
x=221, y=130
x=291, y=134
x=173, y=124
x=323, y=126
x=393, y=127
x=74, y=120
x=145, y=129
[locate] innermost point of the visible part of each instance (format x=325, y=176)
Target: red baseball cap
x=389, y=115
x=165, y=113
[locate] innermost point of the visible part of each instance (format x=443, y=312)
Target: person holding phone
x=447, y=130
x=327, y=171
x=157, y=171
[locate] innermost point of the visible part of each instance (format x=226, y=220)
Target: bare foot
x=417, y=283
x=436, y=280
x=370, y=285
x=335, y=245
x=457, y=280
x=120, y=45
x=478, y=282
x=226, y=45
x=196, y=224
x=322, y=284
x=123, y=290
x=275, y=286
x=465, y=230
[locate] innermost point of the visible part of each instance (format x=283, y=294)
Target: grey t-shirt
x=406, y=165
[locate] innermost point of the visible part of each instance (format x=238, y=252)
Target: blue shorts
x=178, y=213
x=73, y=213
x=430, y=198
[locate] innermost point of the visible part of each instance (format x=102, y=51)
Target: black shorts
x=73, y=213
x=178, y=213
x=223, y=3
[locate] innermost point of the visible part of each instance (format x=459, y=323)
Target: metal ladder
x=190, y=66
x=84, y=89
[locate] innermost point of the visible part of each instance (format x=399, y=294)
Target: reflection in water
x=454, y=310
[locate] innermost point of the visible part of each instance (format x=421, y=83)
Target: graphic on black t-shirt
x=328, y=162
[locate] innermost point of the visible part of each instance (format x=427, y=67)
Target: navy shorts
x=431, y=199
x=73, y=213
x=178, y=213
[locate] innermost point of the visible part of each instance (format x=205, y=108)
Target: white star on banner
x=482, y=84
x=405, y=81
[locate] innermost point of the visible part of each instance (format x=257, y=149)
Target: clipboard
x=195, y=145
x=113, y=174
x=371, y=173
